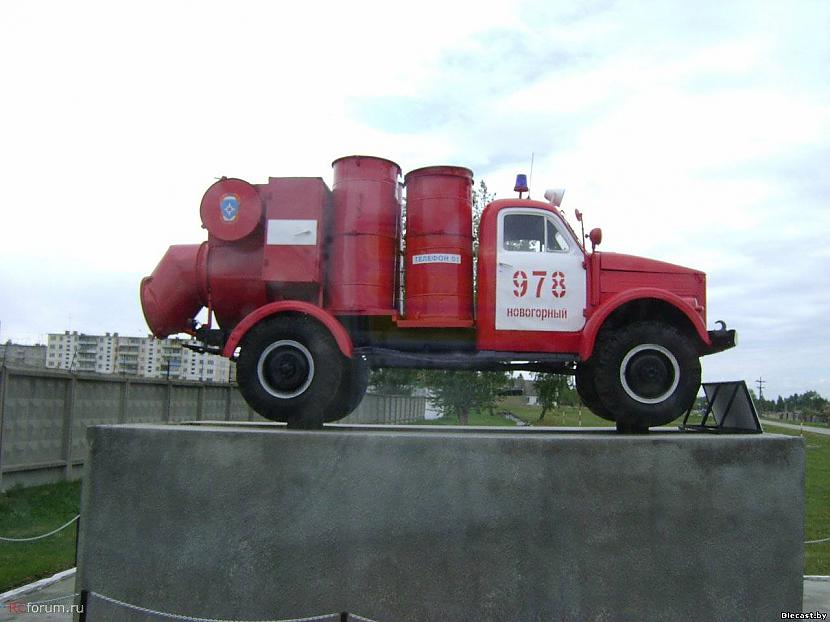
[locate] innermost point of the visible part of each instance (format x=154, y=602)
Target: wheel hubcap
x=649, y=373
x=285, y=369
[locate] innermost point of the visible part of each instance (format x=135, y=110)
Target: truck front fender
x=341, y=336
x=598, y=318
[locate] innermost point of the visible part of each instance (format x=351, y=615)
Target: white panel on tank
x=288, y=232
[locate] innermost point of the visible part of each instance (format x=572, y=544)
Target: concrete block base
x=259, y=522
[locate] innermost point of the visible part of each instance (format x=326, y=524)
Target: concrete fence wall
x=796, y=417
x=44, y=415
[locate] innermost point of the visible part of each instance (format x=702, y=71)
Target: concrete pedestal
x=259, y=522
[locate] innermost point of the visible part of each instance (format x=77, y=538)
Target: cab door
x=540, y=275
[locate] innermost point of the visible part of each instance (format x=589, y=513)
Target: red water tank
x=439, y=244
x=363, y=252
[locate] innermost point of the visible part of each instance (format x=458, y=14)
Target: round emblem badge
x=229, y=207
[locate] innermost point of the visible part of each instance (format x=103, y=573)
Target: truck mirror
x=596, y=237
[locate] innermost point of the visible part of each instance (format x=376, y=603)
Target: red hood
x=632, y=263
x=621, y=273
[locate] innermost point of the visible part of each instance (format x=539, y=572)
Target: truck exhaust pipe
x=176, y=291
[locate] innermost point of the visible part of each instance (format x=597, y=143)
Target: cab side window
x=555, y=240
x=524, y=232
x=532, y=233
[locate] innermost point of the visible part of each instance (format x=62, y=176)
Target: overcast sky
x=696, y=133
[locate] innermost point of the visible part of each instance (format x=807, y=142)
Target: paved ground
x=64, y=588
x=816, y=598
x=795, y=426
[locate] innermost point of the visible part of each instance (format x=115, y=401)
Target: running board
x=486, y=360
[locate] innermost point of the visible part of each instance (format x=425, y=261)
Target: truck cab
x=633, y=327
x=532, y=279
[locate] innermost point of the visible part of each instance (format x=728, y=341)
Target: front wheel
x=646, y=374
x=286, y=369
x=588, y=393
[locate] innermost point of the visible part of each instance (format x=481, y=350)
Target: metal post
x=122, y=405
x=168, y=405
x=200, y=404
x=4, y=381
x=68, y=420
x=83, y=605
x=77, y=537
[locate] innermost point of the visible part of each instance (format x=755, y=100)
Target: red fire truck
x=307, y=288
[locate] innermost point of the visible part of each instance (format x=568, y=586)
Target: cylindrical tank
x=439, y=244
x=363, y=251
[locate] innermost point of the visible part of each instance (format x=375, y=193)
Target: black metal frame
x=482, y=360
x=720, y=428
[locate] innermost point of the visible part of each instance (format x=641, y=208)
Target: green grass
x=26, y=512
x=569, y=416
x=475, y=418
x=817, y=488
x=565, y=416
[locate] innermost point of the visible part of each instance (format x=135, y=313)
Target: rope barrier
x=46, y=535
x=335, y=617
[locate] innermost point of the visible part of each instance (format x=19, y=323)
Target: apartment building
x=135, y=356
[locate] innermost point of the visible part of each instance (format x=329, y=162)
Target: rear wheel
x=286, y=368
x=646, y=374
x=352, y=389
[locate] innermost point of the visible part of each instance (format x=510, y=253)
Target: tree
x=459, y=392
x=810, y=402
x=481, y=197
x=394, y=381
x=554, y=390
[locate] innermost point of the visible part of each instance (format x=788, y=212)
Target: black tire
x=646, y=374
x=588, y=393
x=287, y=368
x=352, y=389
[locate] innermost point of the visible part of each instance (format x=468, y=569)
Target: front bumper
x=720, y=340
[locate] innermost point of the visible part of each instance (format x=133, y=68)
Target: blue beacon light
x=521, y=184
